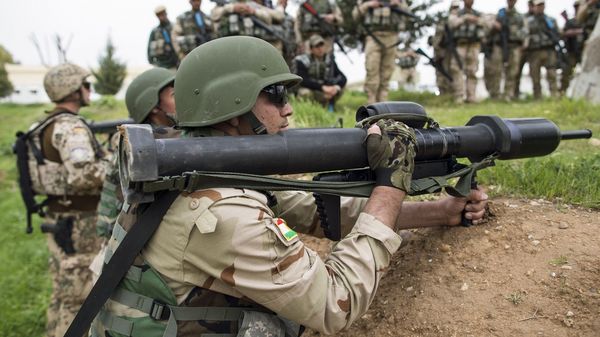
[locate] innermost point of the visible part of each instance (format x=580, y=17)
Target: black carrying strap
x=119, y=264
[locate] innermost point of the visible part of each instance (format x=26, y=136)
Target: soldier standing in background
x=508, y=41
x=191, y=29
x=161, y=52
x=407, y=75
x=441, y=54
x=574, y=37
x=67, y=164
x=322, y=80
x=382, y=24
x=467, y=27
x=525, y=54
x=587, y=16
x=541, y=49
x=307, y=24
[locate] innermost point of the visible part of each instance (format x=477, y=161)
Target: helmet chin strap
x=167, y=115
x=258, y=127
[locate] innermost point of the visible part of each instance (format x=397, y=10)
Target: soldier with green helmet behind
x=192, y=29
x=67, y=165
x=150, y=99
x=228, y=260
x=161, y=52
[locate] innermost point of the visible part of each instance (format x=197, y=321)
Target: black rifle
x=278, y=34
x=110, y=126
x=450, y=45
x=325, y=27
x=435, y=64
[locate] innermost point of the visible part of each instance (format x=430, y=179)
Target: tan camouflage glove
x=391, y=155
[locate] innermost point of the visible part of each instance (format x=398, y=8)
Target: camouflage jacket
x=307, y=24
x=464, y=31
x=380, y=18
x=230, y=23
x=518, y=30
x=540, y=27
x=73, y=162
x=191, y=30
x=161, y=52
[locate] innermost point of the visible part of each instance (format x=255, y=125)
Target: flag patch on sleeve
x=288, y=233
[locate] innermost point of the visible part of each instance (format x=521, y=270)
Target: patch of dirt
x=532, y=270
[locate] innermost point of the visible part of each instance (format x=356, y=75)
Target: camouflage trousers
x=495, y=71
x=443, y=84
x=71, y=278
x=380, y=65
x=567, y=73
x=469, y=55
x=543, y=58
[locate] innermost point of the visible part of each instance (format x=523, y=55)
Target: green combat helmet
x=221, y=79
x=143, y=93
x=63, y=80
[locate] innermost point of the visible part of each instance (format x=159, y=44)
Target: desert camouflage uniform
x=468, y=37
x=307, y=25
x=574, y=46
x=542, y=53
x=380, y=56
x=230, y=23
x=160, y=47
x=71, y=176
x=495, y=66
x=239, y=248
x=191, y=30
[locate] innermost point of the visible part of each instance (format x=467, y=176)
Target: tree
x=111, y=73
x=6, y=88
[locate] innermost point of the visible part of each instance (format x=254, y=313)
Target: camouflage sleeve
x=176, y=33
x=73, y=140
x=454, y=20
x=277, y=15
x=300, y=212
x=239, y=243
x=263, y=13
x=219, y=11
x=111, y=200
x=339, y=18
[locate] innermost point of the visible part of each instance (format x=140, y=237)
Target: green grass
x=571, y=174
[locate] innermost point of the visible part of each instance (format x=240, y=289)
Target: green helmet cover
x=221, y=79
x=143, y=93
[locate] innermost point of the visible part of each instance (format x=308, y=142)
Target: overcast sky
x=87, y=25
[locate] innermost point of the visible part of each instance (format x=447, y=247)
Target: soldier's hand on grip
x=391, y=153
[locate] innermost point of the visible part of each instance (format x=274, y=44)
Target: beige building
x=27, y=81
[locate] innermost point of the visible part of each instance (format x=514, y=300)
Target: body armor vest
x=193, y=33
x=308, y=23
x=381, y=19
x=50, y=177
x=516, y=26
x=407, y=62
x=468, y=32
x=319, y=70
x=160, y=50
x=539, y=27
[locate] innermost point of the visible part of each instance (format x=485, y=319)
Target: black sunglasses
x=276, y=94
x=86, y=85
